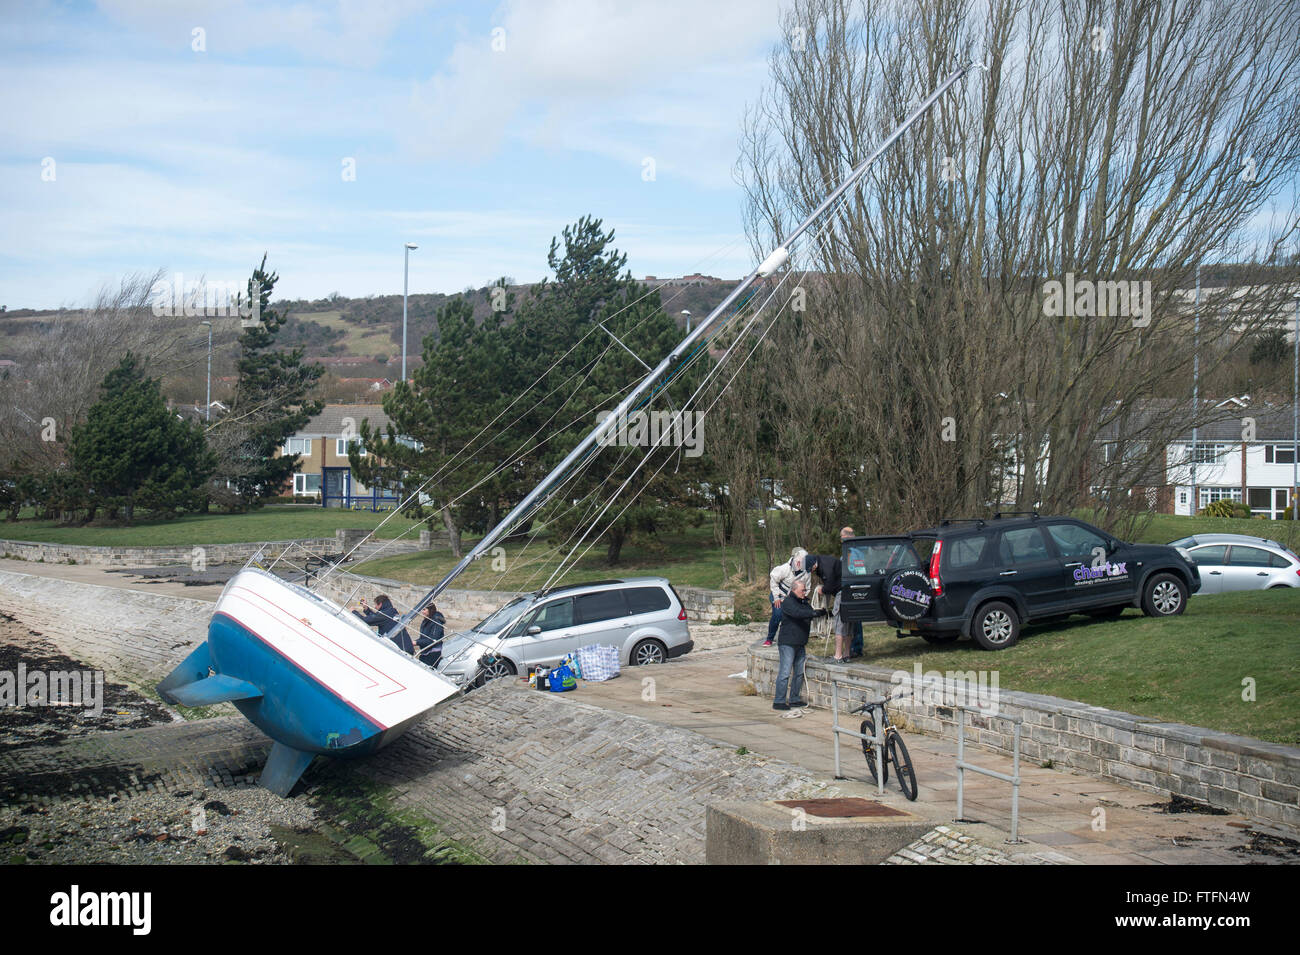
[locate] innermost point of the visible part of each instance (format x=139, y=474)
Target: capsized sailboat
x=315, y=678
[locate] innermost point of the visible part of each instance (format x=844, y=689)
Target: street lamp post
x=687, y=314
x=207, y=411
x=406, y=273
x=1196, y=387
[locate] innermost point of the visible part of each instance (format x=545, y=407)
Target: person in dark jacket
x=382, y=618
x=796, y=619
x=829, y=569
x=432, y=629
x=855, y=648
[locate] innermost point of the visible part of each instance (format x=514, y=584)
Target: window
x=1211, y=494
x=297, y=446
x=341, y=447
x=605, y=605
x=1023, y=546
x=305, y=484
x=555, y=615
x=1279, y=454
x=1248, y=557
x=1202, y=453
x=1215, y=555
x=963, y=552
x=1277, y=560
x=646, y=599
x=1075, y=541
x=879, y=557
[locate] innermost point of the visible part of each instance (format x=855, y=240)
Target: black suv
x=984, y=578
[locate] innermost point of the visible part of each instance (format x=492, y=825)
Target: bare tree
x=1099, y=147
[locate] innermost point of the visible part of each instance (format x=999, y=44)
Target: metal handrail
x=963, y=766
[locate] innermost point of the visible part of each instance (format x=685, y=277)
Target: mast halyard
x=777, y=258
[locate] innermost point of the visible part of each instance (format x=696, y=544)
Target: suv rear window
x=876, y=558
x=646, y=599
x=602, y=605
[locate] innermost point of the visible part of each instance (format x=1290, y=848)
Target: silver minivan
x=642, y=616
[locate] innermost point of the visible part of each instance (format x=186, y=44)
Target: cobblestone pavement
x=944, y=845
x=521, y=775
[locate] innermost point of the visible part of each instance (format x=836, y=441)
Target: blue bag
x=562, y=679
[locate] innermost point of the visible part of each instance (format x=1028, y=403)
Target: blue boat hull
x=306, y=673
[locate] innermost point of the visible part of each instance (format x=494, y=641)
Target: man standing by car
x=779, y=582
x=796, y=618
x=828, y=569
x=855, y=648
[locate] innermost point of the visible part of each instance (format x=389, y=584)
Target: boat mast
x=774, y=261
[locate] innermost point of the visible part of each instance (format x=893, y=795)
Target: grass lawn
x=272, y=523
x=1186, y=669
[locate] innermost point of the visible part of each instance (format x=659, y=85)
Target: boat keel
x=283, y=769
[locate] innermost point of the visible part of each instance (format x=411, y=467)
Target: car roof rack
x=961, y=520
x=1033, y=515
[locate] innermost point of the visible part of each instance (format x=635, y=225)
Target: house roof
x=330, y=422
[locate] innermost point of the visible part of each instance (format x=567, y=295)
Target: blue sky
x=198, y=161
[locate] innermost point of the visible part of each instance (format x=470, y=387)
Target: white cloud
x=619, y=80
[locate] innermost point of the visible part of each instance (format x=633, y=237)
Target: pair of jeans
x=789, y=674
x=775, y=622
x=855, y=648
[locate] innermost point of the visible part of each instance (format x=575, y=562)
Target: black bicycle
x=895, y=750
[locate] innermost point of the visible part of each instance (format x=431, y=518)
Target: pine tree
x=133, y=452
x=592, y=301
x=272, y=401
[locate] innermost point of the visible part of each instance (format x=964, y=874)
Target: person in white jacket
x=779, y=581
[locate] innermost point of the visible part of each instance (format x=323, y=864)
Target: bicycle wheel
x=874, y=756
x=902, y=761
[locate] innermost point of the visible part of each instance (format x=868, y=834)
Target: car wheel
x=1164, y=596
x=647, y=652
x=494, y=668
x=996, y=626
x=1107, y=613
x=940, y=638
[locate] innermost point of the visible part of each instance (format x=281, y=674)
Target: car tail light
x=935, y=583
x=682, y=615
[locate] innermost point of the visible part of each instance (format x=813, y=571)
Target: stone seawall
x=1236, y=773
x=197, y=556
x=136, y=637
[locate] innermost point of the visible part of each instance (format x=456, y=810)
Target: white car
x=1229, y=562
